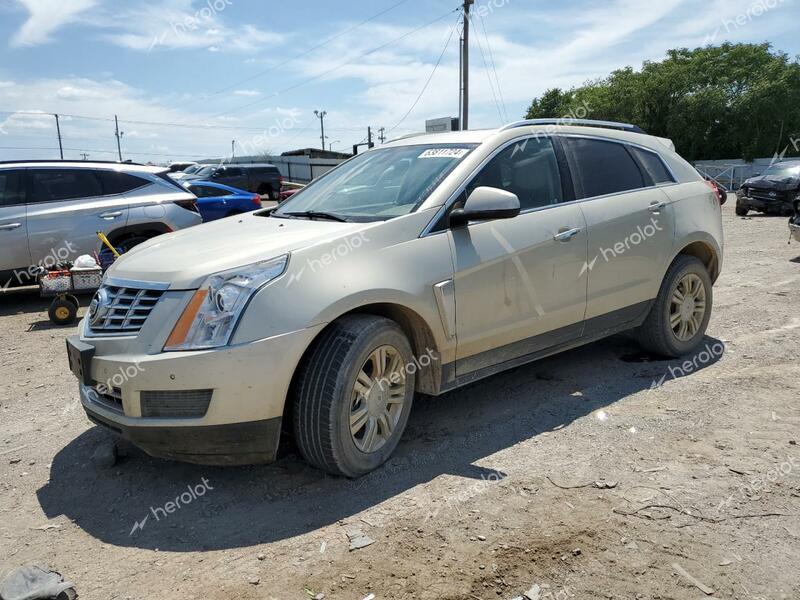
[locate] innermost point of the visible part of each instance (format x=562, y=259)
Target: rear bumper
x=250, y=443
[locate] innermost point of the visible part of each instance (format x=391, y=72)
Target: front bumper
x=794, y=230
x=240, y=424
x=777, y=205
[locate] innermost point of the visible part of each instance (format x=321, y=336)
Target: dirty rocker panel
x=491, y=362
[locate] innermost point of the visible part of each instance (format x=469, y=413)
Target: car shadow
x=149, y=503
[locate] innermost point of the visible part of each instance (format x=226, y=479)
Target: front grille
x=123, y=309
x=110, y=398
x=175, y=404
x=765, y=195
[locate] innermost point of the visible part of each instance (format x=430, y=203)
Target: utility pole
x=382, y=136
x=465, y=68
x=370, y=143
x=321, y=117
x=84, y=155
x=119, y=146
x=233, y=149
x=60, y=147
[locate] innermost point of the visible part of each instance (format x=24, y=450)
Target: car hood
x=771, y=182
x=184, y=259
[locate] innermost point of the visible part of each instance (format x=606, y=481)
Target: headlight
x=208, y=321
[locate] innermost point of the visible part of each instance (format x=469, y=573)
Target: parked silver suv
x=50, y=212
x=420, y=266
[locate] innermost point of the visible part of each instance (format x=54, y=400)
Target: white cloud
x=47, y=16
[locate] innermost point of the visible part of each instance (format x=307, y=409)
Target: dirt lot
x=492, y=491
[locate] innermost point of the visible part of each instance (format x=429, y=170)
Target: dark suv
x=771, y=192
x=264, y=179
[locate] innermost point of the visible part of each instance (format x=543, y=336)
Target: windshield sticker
x=445, y=153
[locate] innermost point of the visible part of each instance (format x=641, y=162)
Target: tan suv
x=420, y=266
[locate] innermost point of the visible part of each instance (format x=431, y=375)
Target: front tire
x=679, y=316
x=353, y=395
x=741, y=210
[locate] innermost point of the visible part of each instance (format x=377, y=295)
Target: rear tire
x=686, y=287
x=741, y=210
x=340, y=385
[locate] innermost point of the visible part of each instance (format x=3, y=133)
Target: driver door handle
x=10, y=226
x=108, y=216
x=566, y=236
x=657, y=206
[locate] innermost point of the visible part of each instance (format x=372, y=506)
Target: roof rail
x=66, y=160
x=577, y=122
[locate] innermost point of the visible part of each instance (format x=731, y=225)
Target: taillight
x=188, y=205
x=722, y=196
x=257, y=200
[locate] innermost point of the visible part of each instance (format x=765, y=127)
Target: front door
x=14, y=256
x=517, y=281
x=66, y=209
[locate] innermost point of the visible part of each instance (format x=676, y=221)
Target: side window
x=529, y=169
x=653, y=166
x=11, y=188
x=114, y=182
x=233, y=172
x=602, y=167
x=50, y=185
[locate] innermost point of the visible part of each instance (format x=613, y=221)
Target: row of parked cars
x=51, y=211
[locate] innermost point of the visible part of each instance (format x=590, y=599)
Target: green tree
x=728, y=101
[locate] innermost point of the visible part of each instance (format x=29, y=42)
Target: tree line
x=717, y=102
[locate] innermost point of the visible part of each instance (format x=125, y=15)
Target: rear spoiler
x=666, y=141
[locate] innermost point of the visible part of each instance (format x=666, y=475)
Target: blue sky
x=188, y=76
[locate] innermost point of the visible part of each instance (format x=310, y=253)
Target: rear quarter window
x=50, y=185
x=602, y=167
x=114, y=182
x=653, y=166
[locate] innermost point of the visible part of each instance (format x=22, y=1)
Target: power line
x=489, y=77
x=494, y=67
x=430, y=77
x=305, y=53
x=336, y=68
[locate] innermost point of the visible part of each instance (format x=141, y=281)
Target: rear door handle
x=111, y=215
x=657, y=206
x=566, y=236
x=10, y=226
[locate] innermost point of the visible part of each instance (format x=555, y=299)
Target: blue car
x=217, y=201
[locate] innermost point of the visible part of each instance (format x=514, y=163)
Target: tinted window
x=603, y=167
x=10, y=188
x=653, y=166
x=529, y=169
x=232, y=172
x=118, y=183
x=202, y=191
x=49, y=185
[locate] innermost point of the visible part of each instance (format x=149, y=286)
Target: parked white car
x=420, y=266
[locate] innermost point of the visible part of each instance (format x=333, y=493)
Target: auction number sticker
x=445, y=153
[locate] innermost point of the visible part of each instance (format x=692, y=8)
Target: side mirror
x=485, y=204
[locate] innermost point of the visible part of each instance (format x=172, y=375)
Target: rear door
x=234, y=177
x=66, y=209
x=631, y=228
x=14, y=255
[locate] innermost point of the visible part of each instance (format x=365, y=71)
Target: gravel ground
x=598, y=473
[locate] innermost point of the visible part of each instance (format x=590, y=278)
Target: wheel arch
x=705, y=252
x=147, y=229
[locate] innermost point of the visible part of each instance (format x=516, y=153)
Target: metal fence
x=732, y=173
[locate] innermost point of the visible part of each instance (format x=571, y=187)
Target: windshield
x=782, y=171
x=192, y=169
x=206, y=171
x=379, y=185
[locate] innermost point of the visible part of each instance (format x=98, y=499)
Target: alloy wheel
x=687, y=307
